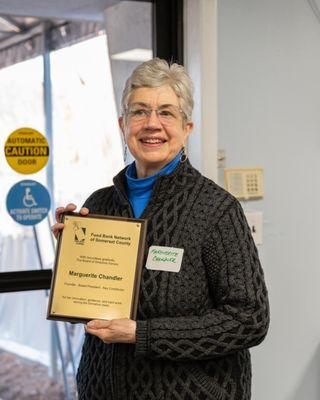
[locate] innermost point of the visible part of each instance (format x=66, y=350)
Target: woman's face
x=154, y=129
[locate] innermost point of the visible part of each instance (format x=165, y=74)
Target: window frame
x=167, y=42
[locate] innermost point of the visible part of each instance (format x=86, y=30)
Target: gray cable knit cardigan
x=194, y=327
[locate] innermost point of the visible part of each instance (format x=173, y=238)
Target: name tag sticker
x=161, y=258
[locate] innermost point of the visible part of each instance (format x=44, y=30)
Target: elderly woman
x=194, y=326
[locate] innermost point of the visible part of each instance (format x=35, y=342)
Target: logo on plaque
x=79, y=233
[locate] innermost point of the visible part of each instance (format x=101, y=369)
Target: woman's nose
x=153, y=121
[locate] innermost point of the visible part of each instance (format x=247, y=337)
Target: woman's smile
x=152, y=141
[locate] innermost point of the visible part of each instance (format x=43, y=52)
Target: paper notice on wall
x=254, y=219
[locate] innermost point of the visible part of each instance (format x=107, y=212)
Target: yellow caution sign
x=26, y=150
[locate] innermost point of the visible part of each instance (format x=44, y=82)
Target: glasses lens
x=138, y=114
x=168, y=114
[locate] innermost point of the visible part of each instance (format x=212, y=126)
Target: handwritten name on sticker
x=162, y=258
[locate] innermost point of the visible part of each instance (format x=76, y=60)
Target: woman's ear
x=121, y=124
x=188, y=129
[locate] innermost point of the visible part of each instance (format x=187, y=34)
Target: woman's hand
x=58, y=226
x=113, y=331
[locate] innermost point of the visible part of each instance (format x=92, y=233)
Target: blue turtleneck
x=139, y=190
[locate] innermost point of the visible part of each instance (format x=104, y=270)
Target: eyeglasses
x=168, y=114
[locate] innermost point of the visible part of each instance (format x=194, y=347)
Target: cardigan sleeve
x=240, y=317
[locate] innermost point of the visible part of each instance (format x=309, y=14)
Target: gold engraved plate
x=161, y=258
x=97, y=268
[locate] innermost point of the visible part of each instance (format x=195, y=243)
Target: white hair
x=158, y=72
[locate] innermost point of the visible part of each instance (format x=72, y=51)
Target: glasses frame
x=148, y=110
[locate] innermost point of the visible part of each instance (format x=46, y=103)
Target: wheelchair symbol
x=28, y=200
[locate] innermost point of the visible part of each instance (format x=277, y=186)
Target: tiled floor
x=21, y=379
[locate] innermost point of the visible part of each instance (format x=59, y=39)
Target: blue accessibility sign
x=28, y=202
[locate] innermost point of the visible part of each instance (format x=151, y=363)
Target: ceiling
x=83, y=10
x=22, y=19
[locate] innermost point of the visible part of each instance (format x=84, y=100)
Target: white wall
x=200, y=59
x=269, y=116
